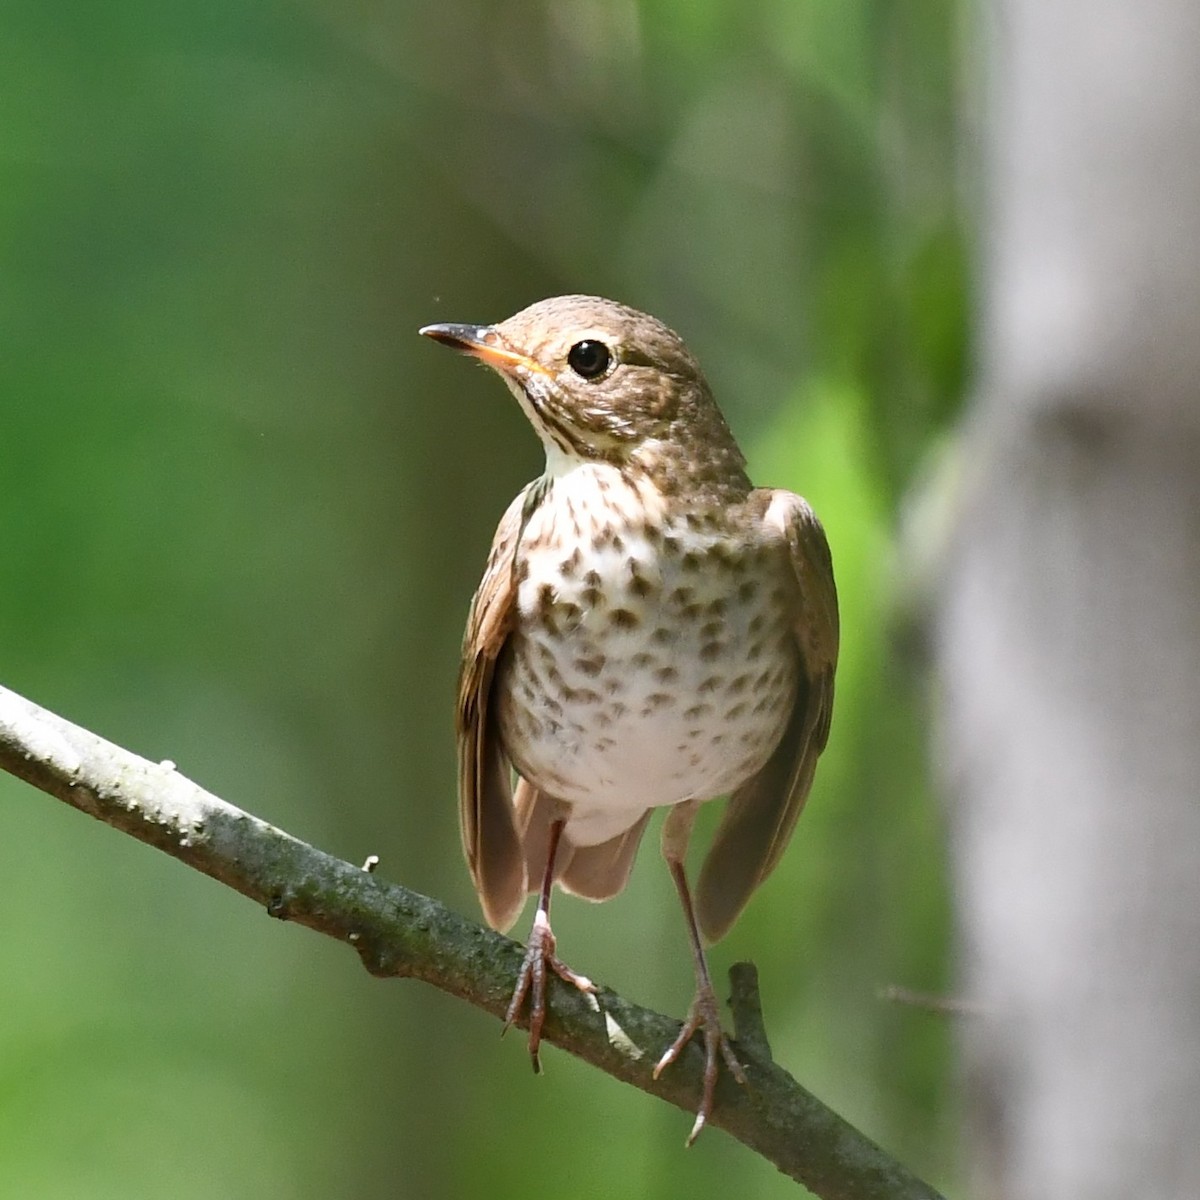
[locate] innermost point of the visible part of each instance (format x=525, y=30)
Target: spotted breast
x=650, y=662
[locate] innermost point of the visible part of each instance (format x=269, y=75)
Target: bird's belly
x=643, y=682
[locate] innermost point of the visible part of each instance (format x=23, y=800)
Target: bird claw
x=531, y=982
x=704, y=1014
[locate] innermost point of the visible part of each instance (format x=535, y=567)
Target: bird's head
x=599, y=381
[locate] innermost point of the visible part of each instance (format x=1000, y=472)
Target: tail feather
x=593, y=872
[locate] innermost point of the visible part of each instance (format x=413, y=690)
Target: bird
x=651, y=631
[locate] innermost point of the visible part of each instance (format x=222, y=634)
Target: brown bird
x=651, y=631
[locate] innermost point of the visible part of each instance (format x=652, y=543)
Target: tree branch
x=397, y=932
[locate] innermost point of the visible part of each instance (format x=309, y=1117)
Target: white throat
x=560, y=462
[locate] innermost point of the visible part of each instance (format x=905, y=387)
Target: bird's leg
x=539, y=954
x=704, y=1012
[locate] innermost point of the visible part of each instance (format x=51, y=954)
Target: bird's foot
x=531, y=982
x=704, y=1014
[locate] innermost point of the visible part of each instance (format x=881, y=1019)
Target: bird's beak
x=482, y=342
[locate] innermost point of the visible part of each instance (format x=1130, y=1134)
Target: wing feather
x=489, y=835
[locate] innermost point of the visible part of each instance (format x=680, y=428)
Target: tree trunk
x=1069, y=624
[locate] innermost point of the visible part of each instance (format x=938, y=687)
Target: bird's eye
x=589, y=359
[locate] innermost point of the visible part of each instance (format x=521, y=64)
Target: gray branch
x=399, y=933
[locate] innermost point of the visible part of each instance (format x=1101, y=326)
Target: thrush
x=651, y=631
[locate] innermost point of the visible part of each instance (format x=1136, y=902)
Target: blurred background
x=245, y=507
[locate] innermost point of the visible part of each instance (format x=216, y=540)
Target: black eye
x=589, y=360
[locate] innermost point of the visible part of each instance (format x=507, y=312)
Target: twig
x=397, y=932
x=946, y=1006
x=745, y=1002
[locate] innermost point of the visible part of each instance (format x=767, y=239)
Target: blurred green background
x=245, y=506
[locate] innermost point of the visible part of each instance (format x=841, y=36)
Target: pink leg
x=705, y=1011
x=539, y=954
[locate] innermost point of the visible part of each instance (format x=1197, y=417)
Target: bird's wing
x=762, y=813
x=489, y=834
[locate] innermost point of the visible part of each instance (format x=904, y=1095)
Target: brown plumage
x=650, y=631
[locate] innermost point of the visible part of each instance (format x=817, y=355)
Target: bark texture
x=1069, y=628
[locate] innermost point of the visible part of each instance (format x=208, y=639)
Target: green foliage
x=245, y=507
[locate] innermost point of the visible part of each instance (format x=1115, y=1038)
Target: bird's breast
x=653, y=659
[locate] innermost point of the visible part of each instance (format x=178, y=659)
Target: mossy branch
x=399, y=933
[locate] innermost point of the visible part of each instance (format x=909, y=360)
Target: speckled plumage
x=650, y=631
x=650, y=662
